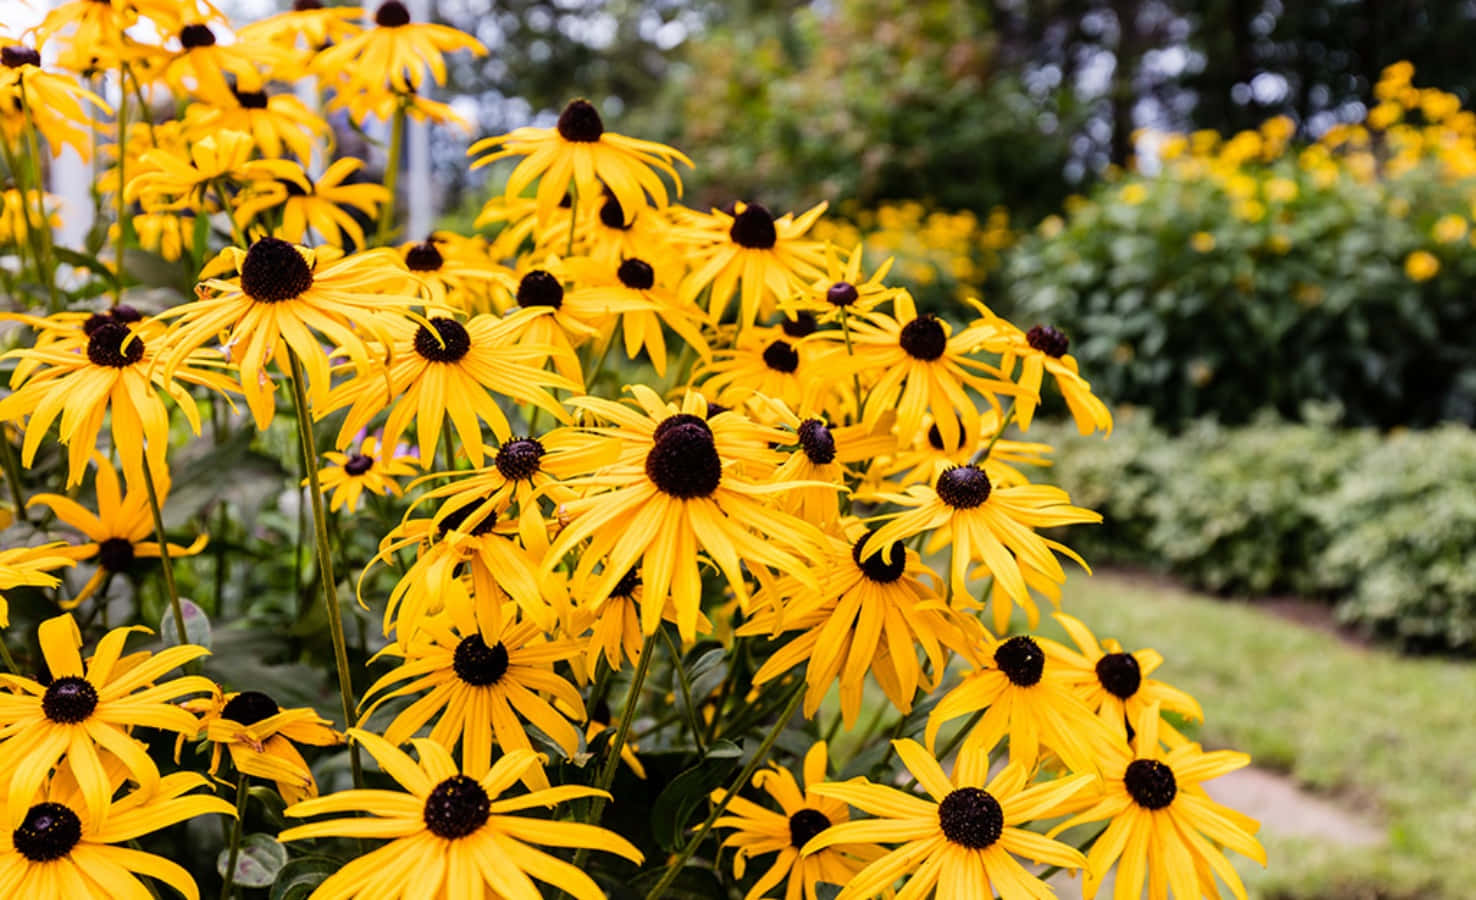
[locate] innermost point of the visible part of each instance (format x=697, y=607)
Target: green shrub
x=1384, y=527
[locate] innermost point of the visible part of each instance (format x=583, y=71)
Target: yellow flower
x=1163, y=824
x=768, y=259
x=639, y=293
x=841, y=290
x=393, y=55
x=1042, y=350
x=325, y=204
x=179, y=180
x=276, y=122
x=61, y=846
x=759, y=831
x=117, y=534
x=108, y=364
x=579, y=148
x=1450, y=228
x=964, y=840
x=30, y=567
x=82, y=715
x=479, y=692
x=1133, y=194
x=259, y=735
x=348, y=476
x=201, y=65
x=1202, y=242
x=54, y=103
x=1421, y=265
x=450, y=828
x=1115, y=684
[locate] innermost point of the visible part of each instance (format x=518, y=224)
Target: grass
x=1389, y=735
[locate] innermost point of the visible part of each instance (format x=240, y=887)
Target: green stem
x=227, y=886
x=225, y=206
x=855, y=375
x=122, y=167
x=13, y=476
x=165, y=563
x=34, y=147
x=599, y=364
x=735, y=665
x=9, y=660
x=33, y=232
x=325, y=558
x=674, y=868
x=446, y=437
x=685, y=686
x=391, y=174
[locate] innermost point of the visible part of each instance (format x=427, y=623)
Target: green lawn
x=1392, y=735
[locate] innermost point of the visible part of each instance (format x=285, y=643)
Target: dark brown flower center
x=627, y=584
x=781, y=357
x=1150, y=783
x=16, y=56
x=804, y=825
x=115, y=554
x=358, y=464
x=306, y=5
x=817, y=441
x=192, y=36
x=424, y=257
x=924, y=338
x=802, y=325
x=456, y=807
x=636, y=274
x=48, y=832
x=519, y=459
x=477, y=664
x=249, y=707
x=121, y=314
x=391, y=14
x=754, y=228
x=251, y=99
x=1120, y=674
x=1021, y=660
x=683, y=462
x=69, y=700
x=539, y=288
x=453, y=520
x=274, y=271
x=115, y=346
x=1048, y=340
x=580, y=122
x=883, y=567
x=453, y=342
x=963, y=487
x=842, y=293
x=612, y=215
x=971, y=817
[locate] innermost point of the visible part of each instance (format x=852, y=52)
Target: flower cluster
x=638, y=429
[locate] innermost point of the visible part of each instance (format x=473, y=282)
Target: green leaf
x=196, y=625
x=675, y=805
x=300, y=876
x=259, y=861
x=84, y=261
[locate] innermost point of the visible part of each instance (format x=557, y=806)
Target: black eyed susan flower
x=676, y=488
x=579, y=149
x=988, y=524
x=768, y=258
x=1025, y=688
x=282, y=294
x=446, y=368
x=393, y=56
x=818, y=464
x=303, y=30
x=914, y=364
x=479, y=692
x=774, y=362
x=568, y=325
x=450, y=834
x=449, y=268
x=59, y=846
x=373, y=468
x=1163, y=823
x=109, y=364
x=326, y=205
x=865, y=616
x=469, y=539
x=55, y=105
x=1042, y=350
x=171, y=179
x=614, y=623
x=364, y=105
x=201, y=65
x=607, y=234
x=636, y=291
x=759, y=831
x=260, y=736
x=82, y=715
x=1115, y=684
x=842, y=289
x=275, y=121
x=965, y=841
x=30, y=567
x=117, y=535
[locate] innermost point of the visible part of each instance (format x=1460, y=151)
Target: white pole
x=418, y=179
x=70, y=180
